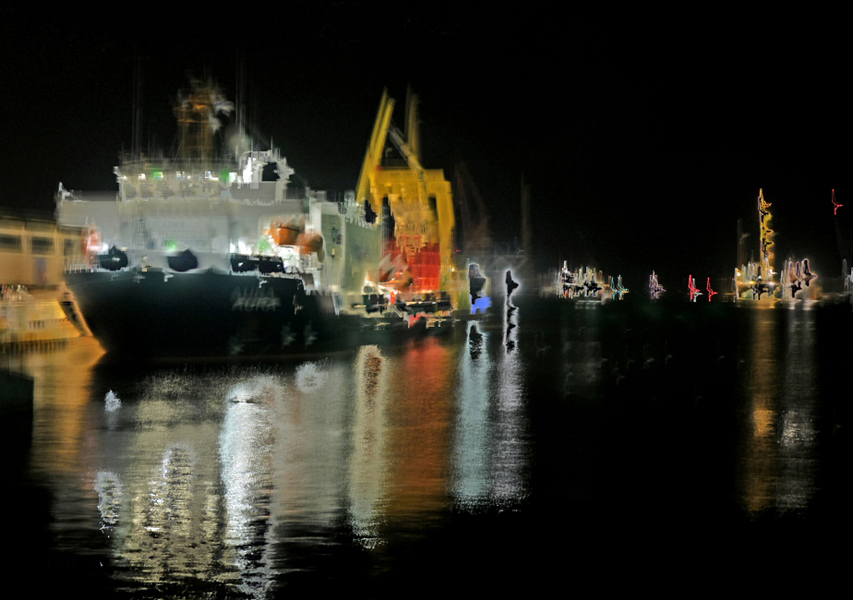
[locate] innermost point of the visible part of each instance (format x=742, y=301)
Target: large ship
x=215, y=253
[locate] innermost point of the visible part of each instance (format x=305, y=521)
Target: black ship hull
x=207, y=314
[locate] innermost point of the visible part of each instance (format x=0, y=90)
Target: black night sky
x=643, y=136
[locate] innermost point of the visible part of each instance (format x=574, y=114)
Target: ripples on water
x=555, y=441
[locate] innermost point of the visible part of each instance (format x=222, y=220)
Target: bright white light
x=111, y=402
x=310, y=377
x=247, y=170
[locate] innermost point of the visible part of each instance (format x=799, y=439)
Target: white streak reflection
x=368, y=471
x=161, y=519
x=246, y=448
x=490, y=450
x=509, y=441
x=797, y=435
x=108, y=486
x=471, y=458
x=157, y=491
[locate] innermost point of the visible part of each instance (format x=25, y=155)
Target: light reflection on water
x=780, y=460
x=489, y=453
x=247, y=444
x=367, y=473
x=763, y=382
x=247, y=478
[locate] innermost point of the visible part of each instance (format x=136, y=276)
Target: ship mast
x=137, y=109
x=766, y=234
x=197, y=114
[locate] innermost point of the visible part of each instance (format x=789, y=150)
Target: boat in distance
x=220, y=255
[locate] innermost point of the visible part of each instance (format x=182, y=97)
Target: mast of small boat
x=764, y=217
x=137, y=109
x=526, y=225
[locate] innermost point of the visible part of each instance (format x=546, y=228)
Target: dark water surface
x=632, y=447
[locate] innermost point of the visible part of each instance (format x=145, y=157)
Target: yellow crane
x=419, y=199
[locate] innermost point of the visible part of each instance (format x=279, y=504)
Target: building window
x=70, y=247
x=41, y=245
x=10, y=243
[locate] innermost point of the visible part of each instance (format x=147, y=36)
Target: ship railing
x=399, y=310
x=11, y=293
x=77, y=264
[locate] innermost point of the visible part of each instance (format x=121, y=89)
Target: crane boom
x=373, y=155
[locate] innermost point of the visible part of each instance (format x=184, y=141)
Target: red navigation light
x=694, y=291
x=710, y=291
x=835, y=204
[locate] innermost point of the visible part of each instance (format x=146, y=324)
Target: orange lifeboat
x=309, y=242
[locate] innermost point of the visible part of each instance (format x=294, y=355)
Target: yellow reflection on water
x=763, y=420
x=778, y=458
x=403, y=409
x=61, y=414
x=760, y=453
x=797, y=434
x=422, y=413
x=367, y=476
